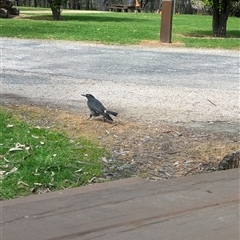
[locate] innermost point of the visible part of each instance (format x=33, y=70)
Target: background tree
x=221, y=10
x=55, y=6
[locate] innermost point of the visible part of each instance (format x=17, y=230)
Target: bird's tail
x=107, y=116
x=112, y=113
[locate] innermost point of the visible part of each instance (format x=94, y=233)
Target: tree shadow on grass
x=100, y=18
x=85, y=18
x=208, y=34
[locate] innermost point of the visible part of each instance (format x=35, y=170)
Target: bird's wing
x=96, y=106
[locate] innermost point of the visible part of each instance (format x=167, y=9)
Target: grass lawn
x=36, y=160
x=119, y=28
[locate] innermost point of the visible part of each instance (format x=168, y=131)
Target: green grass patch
x=35, y=160
x=120, y=28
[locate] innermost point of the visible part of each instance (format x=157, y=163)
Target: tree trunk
x=221, y=11
x=56, y=13
x=102, y=5
x=87, y=4
x=46, y=3
x=55, y=6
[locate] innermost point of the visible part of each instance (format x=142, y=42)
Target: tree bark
x=221, y=9
x=102, y=5
x=87, y=4
x=55, y=6
x=56, y=13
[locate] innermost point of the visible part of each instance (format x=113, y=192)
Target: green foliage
x=207, y=2
x=35, y=160
x=56, y=4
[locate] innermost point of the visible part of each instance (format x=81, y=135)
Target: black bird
x=97, y=108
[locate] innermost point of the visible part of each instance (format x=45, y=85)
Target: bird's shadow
x=101, y=120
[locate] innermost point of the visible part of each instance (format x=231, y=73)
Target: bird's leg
x=90, y=116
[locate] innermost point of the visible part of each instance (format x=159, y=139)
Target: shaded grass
x=195, y=31
x=36, y=160
x=22, y=8
x=119, y=28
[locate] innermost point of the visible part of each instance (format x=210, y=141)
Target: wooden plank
x=204, y=206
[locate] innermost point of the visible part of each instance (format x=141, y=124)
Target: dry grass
x=155, y=151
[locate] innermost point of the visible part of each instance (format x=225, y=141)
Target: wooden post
x=166, y=21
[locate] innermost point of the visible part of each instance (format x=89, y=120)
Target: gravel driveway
x=178, y=108
x=169, y=84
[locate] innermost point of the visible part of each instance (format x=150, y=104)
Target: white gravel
x=172, y=104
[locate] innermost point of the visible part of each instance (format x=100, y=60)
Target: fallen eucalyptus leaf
x=15, y=149
x=19, y=145
x=12, y=171
x=35, y=136
x=92, y=180
x=38, y=184
x=5, y=160
x=23, y=183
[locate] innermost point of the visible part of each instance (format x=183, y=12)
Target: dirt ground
x=154, y=151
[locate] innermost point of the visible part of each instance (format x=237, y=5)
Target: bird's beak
x=83, y=95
